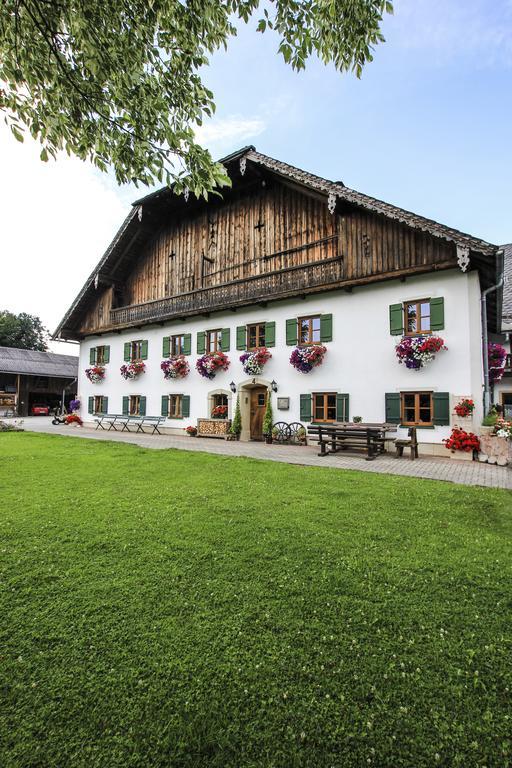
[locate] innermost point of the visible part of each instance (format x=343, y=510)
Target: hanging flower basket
x=210, y=364
x=304, y=359
x=254, y=362
x=175, y=367
x=460, y=440
x=95, y=374
x=416, y=351
x=465, y=408
x=496, y=355
x=74, y=405
x=132, y=370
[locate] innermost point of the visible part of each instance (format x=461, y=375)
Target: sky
x=428, y=127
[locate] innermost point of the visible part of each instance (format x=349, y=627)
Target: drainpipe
x=485, y=336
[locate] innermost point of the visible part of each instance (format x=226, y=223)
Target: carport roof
x=31, y=363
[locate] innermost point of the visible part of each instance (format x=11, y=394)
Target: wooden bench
x=411, y=443
x=334, y=438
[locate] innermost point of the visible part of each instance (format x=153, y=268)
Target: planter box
x=213, y=427
x=461, y=455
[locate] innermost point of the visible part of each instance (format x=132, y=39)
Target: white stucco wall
x=360, y=360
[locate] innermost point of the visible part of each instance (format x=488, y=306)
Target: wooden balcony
x=292, y=281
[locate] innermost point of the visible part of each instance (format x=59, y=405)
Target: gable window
x=175, y=406
x=324, y=406
x=134, y=405
x=255, y=336
x=416, y=408
x=417, y=317
x=309, y=330
x=214, y=340
x=100, y=404
x=177, y=345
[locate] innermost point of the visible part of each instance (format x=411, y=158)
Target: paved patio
x=462, y=472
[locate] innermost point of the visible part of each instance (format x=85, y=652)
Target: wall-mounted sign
x=283, y=403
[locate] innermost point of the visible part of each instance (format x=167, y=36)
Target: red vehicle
x=38, y=409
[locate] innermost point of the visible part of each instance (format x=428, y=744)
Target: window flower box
x=304, y=359
x=415, y=352
x=254, y=362
x=132, y=370
x=95, y=374
x=211, y=363
x=175, y=367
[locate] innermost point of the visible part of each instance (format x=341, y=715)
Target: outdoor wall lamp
x=232, y=387
x=273, y=386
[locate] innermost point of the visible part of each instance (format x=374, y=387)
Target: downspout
x=485, y=335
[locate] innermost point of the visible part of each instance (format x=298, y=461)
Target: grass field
x=164, y=608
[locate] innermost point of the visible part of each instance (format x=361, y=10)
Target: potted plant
x=236, y=425
x=357, y=419
x=489, y=422
x=304, y=359
x=464, y=407
x=211, y=363
x=463, y=441
x=220, y=412
x=254, y=362
x=95, y=373
x=132, y=370
x=268, y=420
x=191, y=431
x=416, y=351
x=175, y=367
x=301, y=435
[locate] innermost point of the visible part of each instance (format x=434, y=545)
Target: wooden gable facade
x=273, y=234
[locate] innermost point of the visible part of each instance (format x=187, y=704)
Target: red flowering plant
x=460, y=440
x=132, y=370
x=175, y=367
x=496, y=356
x=210, y=364
x=95, y=373
x=304, y=359
x=191, y=431
x=254, y=362
x=220, y=412
x=464, y=407
x=73, y=418
x=503, y=428
x=416, y=351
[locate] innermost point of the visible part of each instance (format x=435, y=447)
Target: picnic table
x=343, y=436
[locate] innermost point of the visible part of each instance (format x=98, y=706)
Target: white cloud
x=57, y=219
x=228, y=131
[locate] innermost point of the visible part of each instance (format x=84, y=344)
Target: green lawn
x=163, y=608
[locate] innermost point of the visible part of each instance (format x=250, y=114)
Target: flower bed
x=132, y=370
x=304, y=359
x=460, y=440
x=416, y=351
x=254, y=362
x=210, y=364
x=95, y=374
x=175, y=367
x=464, y=408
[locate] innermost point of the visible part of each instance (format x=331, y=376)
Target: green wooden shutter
x=106, y=355
x=342, y=407
x=201, y=343
x=165, y=405
x=325, y=328
x=142, y=406
x=187, y=344
x=305, y=407
x=225, y=339
x=393, y=411
x=185, y=406
x=144, y=350
x=105, y=405
x=166, y=346
x=127, y=351
x=92, y=355
x=396, y=319
x=240, y=337
x=91, y=405
x=291, y=331
x=126, y=406
x=437, y=314
x=441, y=408
x=270, y=334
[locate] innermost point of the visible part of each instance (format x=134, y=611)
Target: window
x=177, y=345
x=219, y=400
x=417, y=317
x=100, y=404
x=309, y=330
x=324, y=406
x=213, y=340
x=255, y=336
x=100, y=355
x=416, y=408
x=175, y=406
x=136, y=350
x=134, y=409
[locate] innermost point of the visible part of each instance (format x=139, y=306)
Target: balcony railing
x=277, y=284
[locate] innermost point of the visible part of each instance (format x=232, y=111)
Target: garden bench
x=139, y=422
x=107, y=418
x=334, y=438
x=411, y=443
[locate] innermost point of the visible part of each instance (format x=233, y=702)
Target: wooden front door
x=258, y=404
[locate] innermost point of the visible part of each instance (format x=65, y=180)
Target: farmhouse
x=313, y=284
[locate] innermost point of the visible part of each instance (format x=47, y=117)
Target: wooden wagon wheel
x=296, y=430
x=280, y=432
